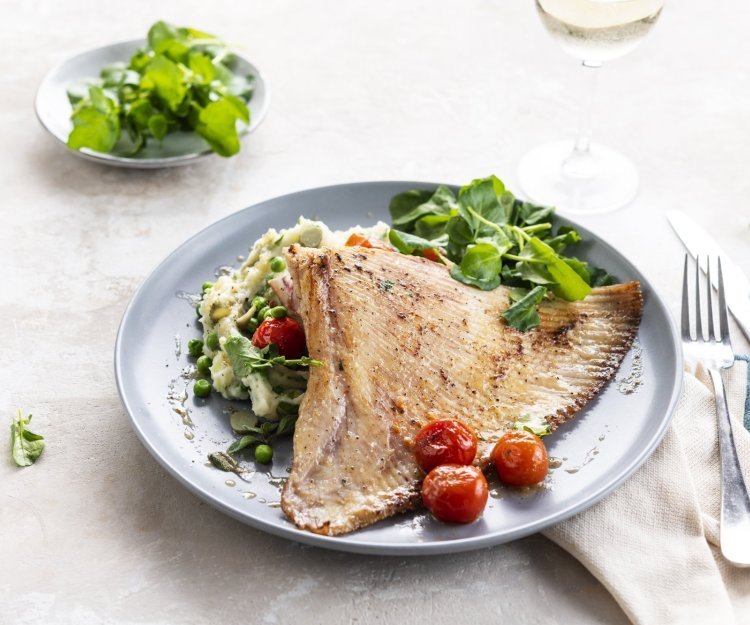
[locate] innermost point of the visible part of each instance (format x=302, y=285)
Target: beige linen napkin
x=654, y=542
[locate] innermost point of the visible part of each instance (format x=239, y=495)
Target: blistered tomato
x=286, y=334
x=455, y=493
x=444, y=442
x=360, y=240
x=520, y=458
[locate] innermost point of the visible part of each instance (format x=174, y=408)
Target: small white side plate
x=180, y=148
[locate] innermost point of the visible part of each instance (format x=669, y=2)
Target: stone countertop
x=97, y=532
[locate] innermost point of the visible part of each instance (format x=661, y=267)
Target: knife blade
x=736, y=284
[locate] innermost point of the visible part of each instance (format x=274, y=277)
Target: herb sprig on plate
x=493, y=238
x=183, y=79
x=26, y=446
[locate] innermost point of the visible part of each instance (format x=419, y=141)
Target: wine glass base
x=612, y=184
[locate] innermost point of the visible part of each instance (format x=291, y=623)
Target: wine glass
x=581, y=176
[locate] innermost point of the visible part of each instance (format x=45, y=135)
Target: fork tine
x=709, y=288
x=685, y=304
x=698, y=324
x=723, y=321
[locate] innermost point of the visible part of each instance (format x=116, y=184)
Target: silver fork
x=716, y=354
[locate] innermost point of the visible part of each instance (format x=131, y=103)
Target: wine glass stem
x=580, y=163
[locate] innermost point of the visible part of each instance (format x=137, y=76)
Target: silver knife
x=737, y=286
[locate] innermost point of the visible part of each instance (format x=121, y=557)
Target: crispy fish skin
x=403, y=343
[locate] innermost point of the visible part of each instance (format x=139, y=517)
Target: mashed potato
x=280, y=390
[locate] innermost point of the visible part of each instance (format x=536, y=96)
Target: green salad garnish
x=25, y=445
x=183, y=79
x=493, y=238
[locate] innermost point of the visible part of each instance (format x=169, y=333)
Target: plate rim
x=402, y=549
x=144, y=163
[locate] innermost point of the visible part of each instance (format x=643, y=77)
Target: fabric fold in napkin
x=654, y=542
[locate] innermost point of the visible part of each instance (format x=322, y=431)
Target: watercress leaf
x=242, y=443
x=580, y=267
x=534, y=273
x=243, y=355
x=565, y=236
x=140, y=111
x=498, y=238
x=157, y=124
x=460, y=232
x=26, y=446
x=599, y=277
x=568, y=284
x=80, y=90
x=516, y=293
x=408, y=243
x=481, y=196
x=536, y=425
x=486, y=285
x=217, y=124
x=509, y=204
x=96, y=124
x=530, y=214
x=431, y=226
x=117, y=75
x=523, y=314
x=161, y=32
x=287, y=422
x=140, y=60
x=243, y=421
x=202, y=67
x=442, y=202
x=480, y=266
x=165, y=77
x=404, y=203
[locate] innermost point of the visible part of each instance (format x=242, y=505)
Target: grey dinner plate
x=178, y=148
x=597, y=451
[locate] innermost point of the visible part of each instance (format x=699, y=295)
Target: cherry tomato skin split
x=444, y=442
x=455, y=493
x=360, y=240
x=520, y=458
x=286, y=334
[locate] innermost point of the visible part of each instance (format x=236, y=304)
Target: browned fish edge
x=632, y=314
x=404, y=502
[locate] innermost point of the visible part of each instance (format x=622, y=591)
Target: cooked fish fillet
x=403, y=343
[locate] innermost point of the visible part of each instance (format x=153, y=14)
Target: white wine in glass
x=578, y=176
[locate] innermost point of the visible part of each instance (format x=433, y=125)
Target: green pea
x=278, y=312
x=207, y=285
x=277, y=264
x=251, y=326
x=198, y=310
x=195, y=347
x=263, y=454
x=203, y=364
x=212, y=341
x=262, y=313
x=258, y=302
x=202, y=388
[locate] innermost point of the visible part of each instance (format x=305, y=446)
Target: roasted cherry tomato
x=520, y=458
x=455, y=493
x=432, y=255
x=361, y=240
x=444, y=442
x=286, y=334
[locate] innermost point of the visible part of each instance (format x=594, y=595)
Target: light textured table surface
x=96, y=532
